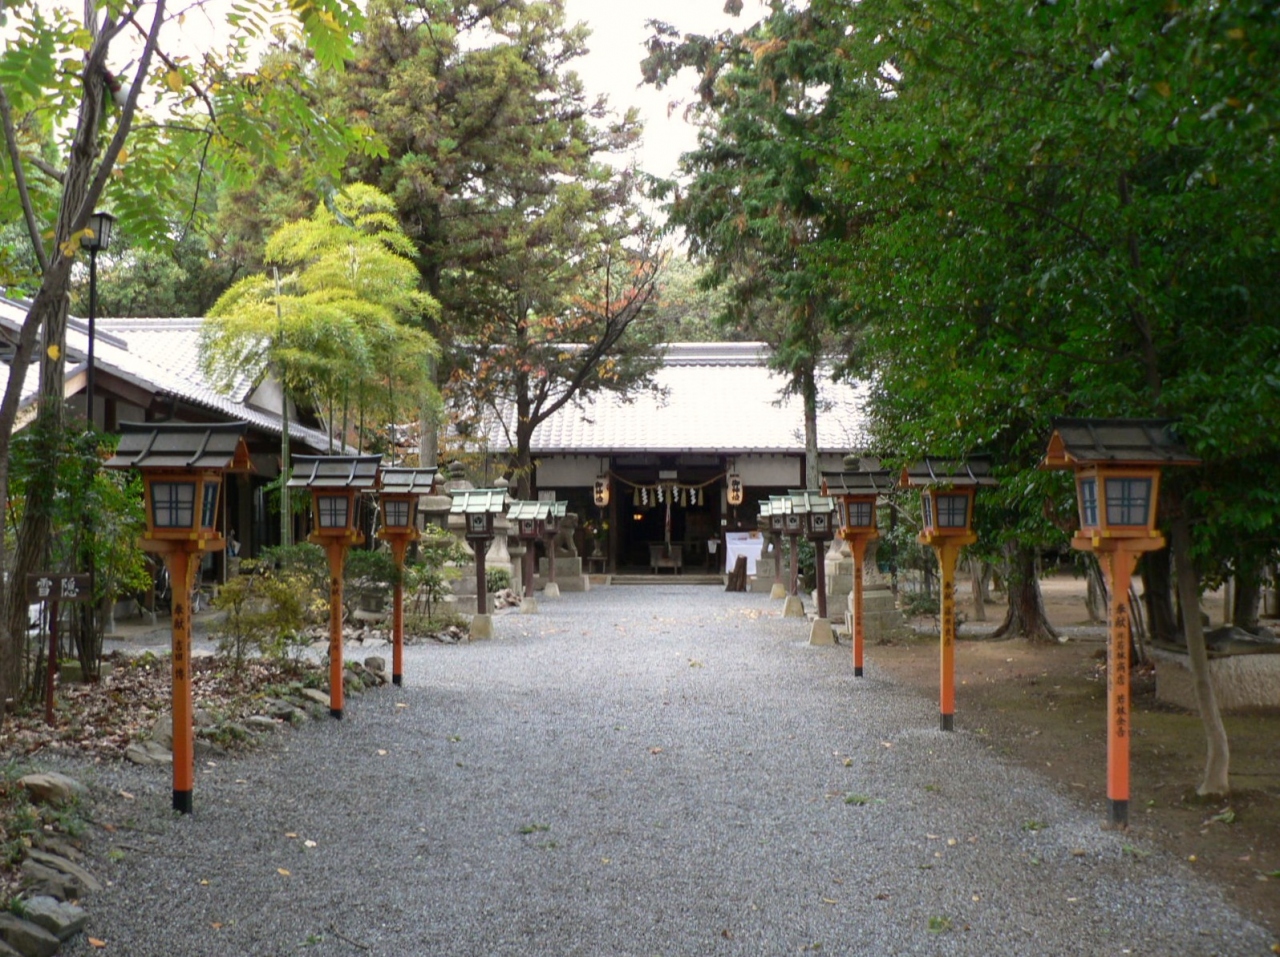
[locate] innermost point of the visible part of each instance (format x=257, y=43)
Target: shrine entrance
x=666, y=510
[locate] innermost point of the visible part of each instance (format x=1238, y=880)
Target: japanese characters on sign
x=49, y=586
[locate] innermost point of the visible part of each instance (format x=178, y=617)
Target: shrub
x=496, y=579
x=266, y=611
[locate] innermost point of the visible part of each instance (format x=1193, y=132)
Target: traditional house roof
x=712, y=396
x=156, y=358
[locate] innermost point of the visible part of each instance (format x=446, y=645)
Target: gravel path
x=659, y=770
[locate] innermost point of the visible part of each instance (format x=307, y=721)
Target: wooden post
x=795, y=564
x=480, y=546
x=1118, y=565
x=529, y=557
x=858, y=548
x=551, y=559
x=179, y=563
x=399, y=545
x=820, y=573
x=51, y=664
x=947, y=552
x=337, y=551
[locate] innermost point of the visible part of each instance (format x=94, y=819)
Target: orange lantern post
x=335, y=482
x=398, y=492
x=856, y=494
x=182, y=468
x=1117, y=470
x=946, y=507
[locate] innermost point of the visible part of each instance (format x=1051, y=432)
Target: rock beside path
x=52, y=788
x=26, y=938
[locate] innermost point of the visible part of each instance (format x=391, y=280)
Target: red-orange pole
x=398, y=548
x=184, y=769
x=947, y=554
x=337, y=551
x=1118, y=566
x=858, y=547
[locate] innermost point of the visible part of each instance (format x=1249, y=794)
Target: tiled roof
x=159, y=355
x=1117, y=441
x=180, y=445
x=713, y=396
x=335, y=471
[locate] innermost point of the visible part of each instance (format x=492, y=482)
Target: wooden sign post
x=52, y=588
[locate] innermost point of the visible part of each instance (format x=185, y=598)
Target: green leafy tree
x=1061, y=214
x=76, y=138
x=342, y=326
x=766, y=100
x=535, y=247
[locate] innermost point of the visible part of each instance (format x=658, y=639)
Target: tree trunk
x=812, y=470
x=1157, y=587
x=1096, y=599
x=1025, y=616
x=1248, y=595
x=1217, y=762
x=979, y=595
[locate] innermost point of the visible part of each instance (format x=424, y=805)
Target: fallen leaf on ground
x=308, y=843
x=655, y=750
x=290, y=834
x=94, y=942
x=282, y=872
x=382, y=752
x=126, y=795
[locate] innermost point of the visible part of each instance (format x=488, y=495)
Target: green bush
x=496, y=579
x=265, y=611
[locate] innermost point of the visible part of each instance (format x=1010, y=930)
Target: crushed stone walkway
x=635, y=771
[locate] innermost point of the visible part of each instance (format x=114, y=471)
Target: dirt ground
x=1043, y=705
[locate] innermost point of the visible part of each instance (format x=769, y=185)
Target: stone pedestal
x=1240, y=682
x=568, y=573
x=481, y=627
x=528, y=606
x=793, y=607
x=880, y=615
x=551, y=590
x=777, y=590
x=766, y=569
x=820, y=632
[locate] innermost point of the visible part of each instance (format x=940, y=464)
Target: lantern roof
x=781, y=504
x=407, y=481
x=1114, y=442
x=182, y=445
x=804, y=501
x=335, y=471
x=525, y=509
x=877, y=481
x=470, y=501
x=970, y=473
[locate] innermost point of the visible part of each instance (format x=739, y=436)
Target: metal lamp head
x=100, y=225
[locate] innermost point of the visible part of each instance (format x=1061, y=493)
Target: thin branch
x=20, y=179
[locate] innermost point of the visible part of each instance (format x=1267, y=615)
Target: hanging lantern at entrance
x=602, y=490
x=735, y=489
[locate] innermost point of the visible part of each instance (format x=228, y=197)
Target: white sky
x=612, y=67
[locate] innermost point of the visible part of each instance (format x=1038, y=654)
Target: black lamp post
x=99, y=240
